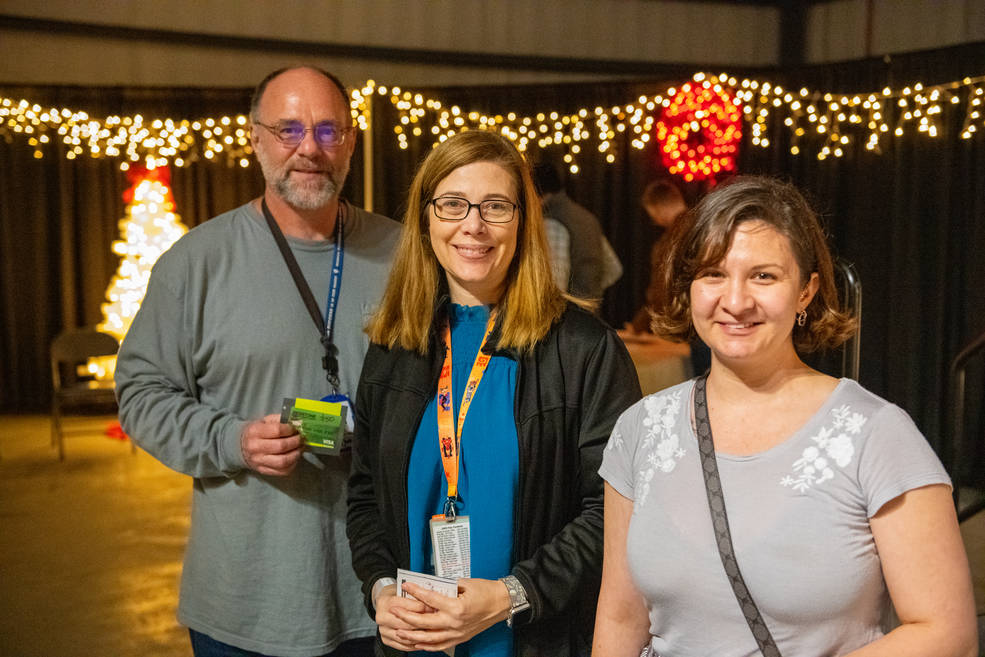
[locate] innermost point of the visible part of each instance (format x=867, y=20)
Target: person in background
x=559, y=244
x=663, y=203
x=222, y=337
x=830, y=509
x=591, y=267
x=487, y=394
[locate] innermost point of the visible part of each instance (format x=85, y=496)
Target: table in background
x=660, y=364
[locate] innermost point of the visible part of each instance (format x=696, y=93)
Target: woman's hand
x=388, y=610
x=446, y=622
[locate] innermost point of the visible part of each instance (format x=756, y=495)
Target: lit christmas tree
x=149, y=229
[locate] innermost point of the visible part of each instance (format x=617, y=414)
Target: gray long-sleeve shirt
x=221, y=338
x=587, y=258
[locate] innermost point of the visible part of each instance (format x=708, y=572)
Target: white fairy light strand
x=828, y=121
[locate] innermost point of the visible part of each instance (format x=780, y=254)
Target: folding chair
x=72, y=387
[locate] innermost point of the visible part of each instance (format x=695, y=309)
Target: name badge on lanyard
x=450, y=546
x=449, y=531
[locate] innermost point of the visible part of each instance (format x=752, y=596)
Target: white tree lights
x=148, y=230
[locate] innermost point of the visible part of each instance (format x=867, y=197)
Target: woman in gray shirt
x=839, y=510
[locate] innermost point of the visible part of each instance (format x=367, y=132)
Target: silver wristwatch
x=518, y=597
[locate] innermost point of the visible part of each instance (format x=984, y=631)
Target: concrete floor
x=91, y=547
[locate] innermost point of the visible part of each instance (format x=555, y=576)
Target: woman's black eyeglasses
x=456, y=208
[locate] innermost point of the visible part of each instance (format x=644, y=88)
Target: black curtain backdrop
x=911, y=218
x=59, y=218
x=611, y=191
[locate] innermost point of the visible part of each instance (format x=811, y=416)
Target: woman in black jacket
x=485, y=401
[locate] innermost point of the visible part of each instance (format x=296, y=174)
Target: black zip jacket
x=570, y=390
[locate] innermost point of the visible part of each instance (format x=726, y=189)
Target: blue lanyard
x=335, y=284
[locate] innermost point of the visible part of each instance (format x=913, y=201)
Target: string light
x=826, y=122
x=973, y=116
x=132, y=139
x=870, y=118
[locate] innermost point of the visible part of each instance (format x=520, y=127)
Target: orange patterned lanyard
x=449, y=440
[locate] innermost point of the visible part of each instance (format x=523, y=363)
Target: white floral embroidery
x=833, y=443
x=661, y=444
x=616, y=440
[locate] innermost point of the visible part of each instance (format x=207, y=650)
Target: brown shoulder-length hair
x=702, y=238
x=531, y=301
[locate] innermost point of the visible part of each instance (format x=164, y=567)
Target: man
x=222, y=338
x=664, y=203
x=587, y=254
x=559, y=242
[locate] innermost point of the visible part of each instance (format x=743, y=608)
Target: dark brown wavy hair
x=702, y=238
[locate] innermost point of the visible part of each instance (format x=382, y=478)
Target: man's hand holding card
x=321, y=424
x=270, y=447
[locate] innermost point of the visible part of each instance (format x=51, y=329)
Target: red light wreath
x=699, y=132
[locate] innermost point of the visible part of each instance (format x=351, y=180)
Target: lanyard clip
x=450, y=513
x=330, y=363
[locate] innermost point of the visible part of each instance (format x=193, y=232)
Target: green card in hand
x=321, y=424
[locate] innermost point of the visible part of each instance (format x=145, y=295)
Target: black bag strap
x=716, y=504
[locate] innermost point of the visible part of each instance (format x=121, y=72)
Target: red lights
x=699, y=132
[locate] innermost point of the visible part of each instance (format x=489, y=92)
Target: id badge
x=350, y=415
x=450, y=547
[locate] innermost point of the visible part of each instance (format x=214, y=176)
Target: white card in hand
x=443, y=585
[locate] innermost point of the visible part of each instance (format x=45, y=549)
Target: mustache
x=305, y=163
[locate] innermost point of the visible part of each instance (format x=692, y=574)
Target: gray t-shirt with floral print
x=799, y=515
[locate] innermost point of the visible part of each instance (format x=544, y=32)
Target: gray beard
x=308, y=197
x=305, y=197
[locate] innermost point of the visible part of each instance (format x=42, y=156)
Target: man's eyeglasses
x=456, y=208
x=291, y=133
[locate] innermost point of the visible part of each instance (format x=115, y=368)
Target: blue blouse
x=488, y=471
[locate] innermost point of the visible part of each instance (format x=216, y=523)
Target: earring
x=801, y=318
